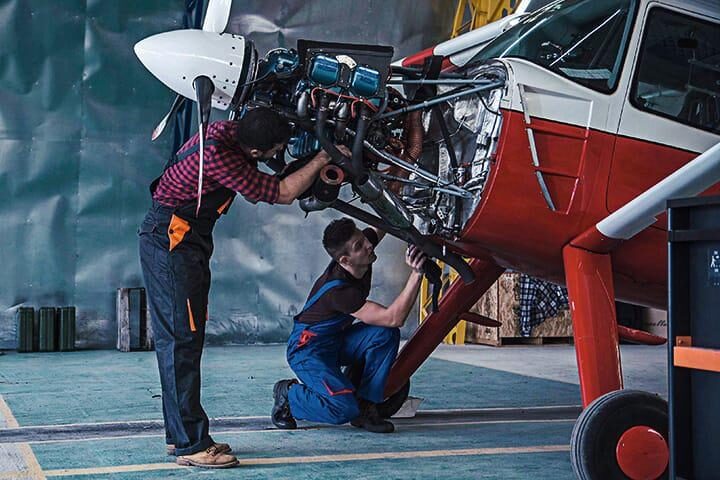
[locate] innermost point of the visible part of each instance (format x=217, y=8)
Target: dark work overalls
x=175, y=250
x=316, y=352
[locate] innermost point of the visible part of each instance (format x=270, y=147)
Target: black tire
x=392, y=404
x=599, y=427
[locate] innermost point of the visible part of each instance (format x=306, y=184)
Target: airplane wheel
x=623, y=434
x=392, y=404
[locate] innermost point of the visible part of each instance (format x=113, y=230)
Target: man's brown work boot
x=221, y=448
x=208, y=458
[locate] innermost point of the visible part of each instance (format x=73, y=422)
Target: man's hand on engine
x=322, y=156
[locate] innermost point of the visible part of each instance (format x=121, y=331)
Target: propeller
x=176, y=105
x=217, y=16
x=204, y=89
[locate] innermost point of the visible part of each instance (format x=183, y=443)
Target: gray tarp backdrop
x=76, y=112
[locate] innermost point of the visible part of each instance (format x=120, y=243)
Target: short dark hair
x=336, y=236
x=262, y=128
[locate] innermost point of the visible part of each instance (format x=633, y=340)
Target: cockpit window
x=583, y=40
x=678, y=74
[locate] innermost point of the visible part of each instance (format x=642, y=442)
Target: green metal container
x=67, y=329
x=48, y=329
x=25, y=329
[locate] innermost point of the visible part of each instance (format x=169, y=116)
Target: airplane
x=548, y=143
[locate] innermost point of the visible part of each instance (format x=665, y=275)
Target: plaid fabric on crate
x=539, y=300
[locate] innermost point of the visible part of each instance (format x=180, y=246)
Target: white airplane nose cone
x=177, y=57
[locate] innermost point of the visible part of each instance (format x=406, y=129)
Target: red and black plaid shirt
x=225, y=165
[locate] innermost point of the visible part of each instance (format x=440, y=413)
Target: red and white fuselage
x=569, y=156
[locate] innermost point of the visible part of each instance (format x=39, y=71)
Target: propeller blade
x=204, y=89
x=177, y=104
x=217, y=16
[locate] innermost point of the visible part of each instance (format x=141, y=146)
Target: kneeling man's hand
x=415, y=258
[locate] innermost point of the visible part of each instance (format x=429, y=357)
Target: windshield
x=583, y=40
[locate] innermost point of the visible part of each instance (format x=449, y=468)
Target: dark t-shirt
x=346, y=298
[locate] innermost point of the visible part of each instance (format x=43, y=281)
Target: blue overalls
x=175, y=248
x=316, y=352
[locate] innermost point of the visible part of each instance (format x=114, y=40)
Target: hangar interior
x=556, y=161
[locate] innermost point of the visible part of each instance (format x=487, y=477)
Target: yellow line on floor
x=7, y=414
x=350, y=457
x=34, y=470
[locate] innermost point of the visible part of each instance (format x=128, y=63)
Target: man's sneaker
x=208, y=458
x=221, y=448
x=371, y=420
x=281, y=416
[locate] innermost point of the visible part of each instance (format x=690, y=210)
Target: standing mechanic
x=324, y=338
x=175, y=248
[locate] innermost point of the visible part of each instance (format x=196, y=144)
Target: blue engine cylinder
x=324, y=70
x=365, y=82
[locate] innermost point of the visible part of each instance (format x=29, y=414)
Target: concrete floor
x=96, y=414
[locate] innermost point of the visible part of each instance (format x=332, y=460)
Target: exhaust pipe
x=322, y=115
x=357, y=148
x=384, y=202
x=325, y=190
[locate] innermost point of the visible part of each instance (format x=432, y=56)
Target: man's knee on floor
x=343, y=408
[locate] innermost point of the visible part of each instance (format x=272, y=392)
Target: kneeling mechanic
x=324, y=337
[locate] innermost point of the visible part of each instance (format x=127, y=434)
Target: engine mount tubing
x=384, y=202
x=448, y=81
x=398, y=70
x=413, y=168
x=393, y=178
x=440, y=99
x=410, y=235
x=589, y=280
x=417, y=171
x=458, y=299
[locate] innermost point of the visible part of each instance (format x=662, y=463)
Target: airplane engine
x=419, y=159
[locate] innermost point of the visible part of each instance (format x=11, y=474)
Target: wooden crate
x=501, y=303
x=140, y=312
